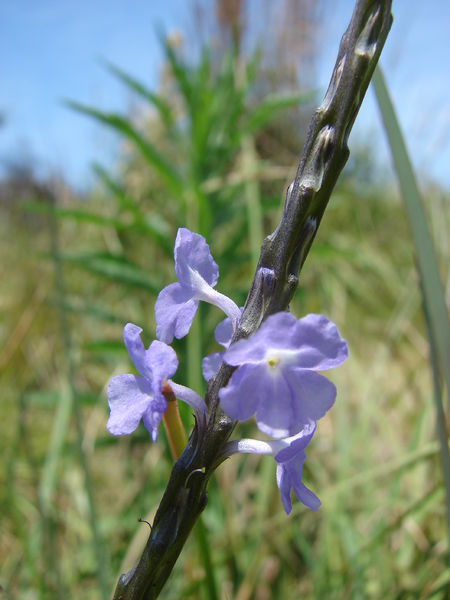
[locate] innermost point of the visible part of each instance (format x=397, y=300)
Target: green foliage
x=191, y=160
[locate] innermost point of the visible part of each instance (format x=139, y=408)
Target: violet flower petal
x=224, y=332
x=175, y=310
x=164, y=363
x=276, y=413
x=290, y=456
x=289, y=447
x=238, y=399
x=129, y=396
x=320, y=347
x=314, y=396
x=286, y=353
x=192, y=254
x=197, y=274
x=211, y=365
x=312, y=342
x=152, y=419
x=289, y=476
x=136, y=349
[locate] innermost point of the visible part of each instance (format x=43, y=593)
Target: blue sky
x=50, y=50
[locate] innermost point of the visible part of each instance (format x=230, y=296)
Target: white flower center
x=276, y=357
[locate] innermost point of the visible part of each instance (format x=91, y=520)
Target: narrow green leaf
x=90, y=217
x=180, y=73
x=59, y=429
x=74, y=214
x=125, y=201
x=115, y=268
x=435, y=308
x=76, y=305
x=51, y=399
x=268, y=109
x=426, y=260
x=138, y=87
x=105, y=346
x=148, y=151
x=153, y=226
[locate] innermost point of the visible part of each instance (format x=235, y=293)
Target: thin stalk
x=282, y=256
x=102, y=565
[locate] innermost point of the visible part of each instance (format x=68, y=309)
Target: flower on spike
x=289, y=454
x=277, y=378
x=197, y=274
x=135, y=397
x=222, y=335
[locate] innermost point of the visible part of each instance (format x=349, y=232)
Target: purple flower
x=290, y=456
x=197, y=274
x=135, y=397
x=277, y=378
x=222, y=334
x=290, y=462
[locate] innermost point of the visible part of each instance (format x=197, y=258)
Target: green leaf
x=180, y=73
x=153, y=226
x=74, y=214
x=115, y=268
x=125, y=201
x=268, y=109
x=433, y=292
x=78, y=306
x=105, y=346
x=52, y=398
x=163, y=108
x=148, y=151
x=90, y=217
x=435, y=308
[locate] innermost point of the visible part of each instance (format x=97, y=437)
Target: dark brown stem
x=282, y=256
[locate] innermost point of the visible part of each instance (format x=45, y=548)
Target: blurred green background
x=213, y=147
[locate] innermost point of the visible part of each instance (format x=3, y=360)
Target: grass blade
x=163, y=108
x=432, y=291
x=115, y=268
x=153, y=226
x=126, y=129
x=268, y=109
x=426, y=260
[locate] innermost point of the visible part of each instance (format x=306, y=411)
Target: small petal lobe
x=211, y=365
x=136, y=349
x=192, y=253
x=174, y=312
x=239, y=399
x=129, y=396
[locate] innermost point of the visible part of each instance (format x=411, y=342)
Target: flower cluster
x=275, y=378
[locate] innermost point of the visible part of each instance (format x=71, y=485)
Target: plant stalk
x=283, y=253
